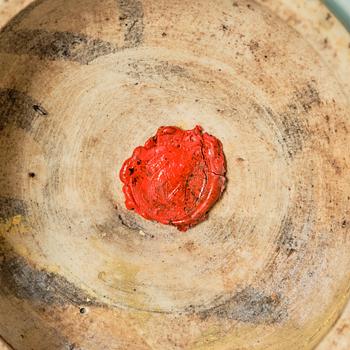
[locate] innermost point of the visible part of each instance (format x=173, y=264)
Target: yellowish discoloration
x=210, y=336
x=122, y=276
x=13, y=226
x=140, y=318
x=119, y=275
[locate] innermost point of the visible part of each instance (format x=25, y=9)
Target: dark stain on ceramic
x=19, y=109
x=287, y=242
x=55, y=45
x=294, y=133
x=10, y=207
x=250, y=306
x=131, y=17
x=68, y=46
x=22, y=280
x=153, y=69
x=308, y=97
x=129, y=222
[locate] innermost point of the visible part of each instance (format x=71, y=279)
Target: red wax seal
x=176, y=177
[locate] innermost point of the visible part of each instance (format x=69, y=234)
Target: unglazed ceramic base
x=81, y=84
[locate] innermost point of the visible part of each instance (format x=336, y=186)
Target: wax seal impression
x=176, y=177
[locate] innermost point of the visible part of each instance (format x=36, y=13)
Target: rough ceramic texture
x=314, y=22
x=321, y=29
x=9, y=8
x=253, y=275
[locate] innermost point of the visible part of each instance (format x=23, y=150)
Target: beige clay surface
x=268, y=270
